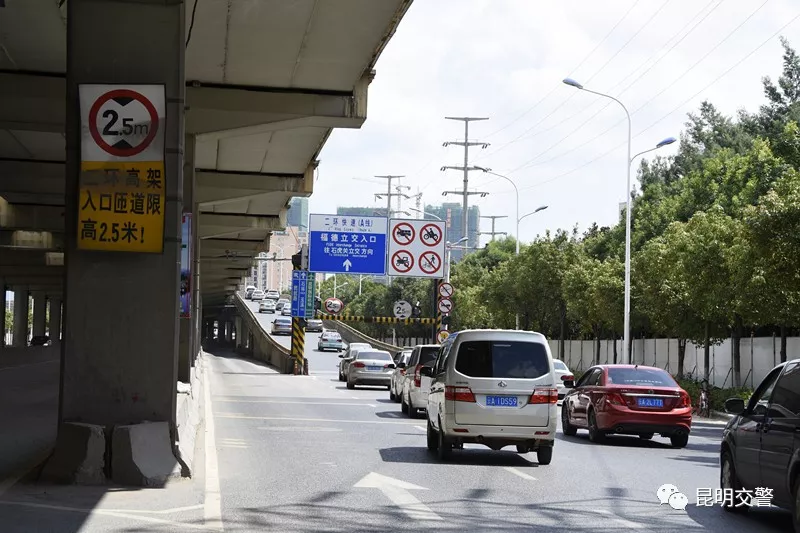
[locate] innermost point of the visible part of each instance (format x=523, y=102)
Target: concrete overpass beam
x=217, y=187
x=32, y=102
x=23, y=176
x=32, y=217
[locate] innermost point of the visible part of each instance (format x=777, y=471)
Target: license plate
x=650, y=402
x=501, y=401
x=375, y=368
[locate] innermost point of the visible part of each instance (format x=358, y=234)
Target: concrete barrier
x=351, y=335
x=261, y=346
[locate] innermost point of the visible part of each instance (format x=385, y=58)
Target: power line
x=587, y=56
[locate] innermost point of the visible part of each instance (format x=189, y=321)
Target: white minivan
x=496, y=388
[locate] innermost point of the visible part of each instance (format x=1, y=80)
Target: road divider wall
x=351, y=335
x=259, y=344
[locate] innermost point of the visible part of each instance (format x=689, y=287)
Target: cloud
x=504, y=59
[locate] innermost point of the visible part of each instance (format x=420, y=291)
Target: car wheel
x=433, y=438
x=341, y=377
x=645, y=436
x=566, y=428
x=595, y=434
x=729, y=480
x=350, y=385
x=544, y=455
x=679, y=441
x=403, y=405
x=443, y=447
x=391, y=394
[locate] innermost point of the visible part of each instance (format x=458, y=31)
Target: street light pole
x=627, y=316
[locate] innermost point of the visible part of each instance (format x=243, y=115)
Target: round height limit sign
x=416, y=248
x=122, y=180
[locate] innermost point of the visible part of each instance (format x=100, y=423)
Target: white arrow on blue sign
x=339, y=244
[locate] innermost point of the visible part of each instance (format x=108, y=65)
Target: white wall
x=764, y=352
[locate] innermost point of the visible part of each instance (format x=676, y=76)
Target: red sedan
x=627, y=400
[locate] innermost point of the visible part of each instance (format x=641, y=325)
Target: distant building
x=297, y=215
x=451, y=213
x=273, y=269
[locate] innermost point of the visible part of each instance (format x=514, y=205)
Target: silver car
x=370, y=367
x=396, y=386
x=496, y=388
x=349, y=355
x=414, y=386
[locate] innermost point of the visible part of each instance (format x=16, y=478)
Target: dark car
x=760, y=444
x=627, y=400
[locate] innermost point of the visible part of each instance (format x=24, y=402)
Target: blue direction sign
x=339, y=244
x=300, y=292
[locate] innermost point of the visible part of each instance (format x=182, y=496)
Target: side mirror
x=734, y=406
x=569, y=381
x=401, y=365
x=341, y=356
x=426, y=371
x=391, y=365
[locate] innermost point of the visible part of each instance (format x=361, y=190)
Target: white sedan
x=561, y=370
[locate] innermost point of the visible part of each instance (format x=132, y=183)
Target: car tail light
x=614, y=399
x=359, y=364
x=417, y=376
x=459, y=394
x=567, y=377
x=544, y=395
x=686, y=400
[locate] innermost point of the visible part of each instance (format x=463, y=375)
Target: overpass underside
x=252, y=91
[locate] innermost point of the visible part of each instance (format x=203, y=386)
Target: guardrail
x=261, y=346
x=350, y=335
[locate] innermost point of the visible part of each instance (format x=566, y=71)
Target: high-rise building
x=297, y=215
x=451, y=213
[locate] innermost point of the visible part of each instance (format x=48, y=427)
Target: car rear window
x=331, y=336
x=282, y=321
x=502, y=359
x=558, y=365
x=375, y=356
x=428, y=354
x=640, y=376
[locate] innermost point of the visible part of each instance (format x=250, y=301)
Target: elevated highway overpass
x=253, y=90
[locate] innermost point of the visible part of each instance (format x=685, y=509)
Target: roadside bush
x=716, y=395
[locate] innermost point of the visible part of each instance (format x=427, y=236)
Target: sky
x=564, y=148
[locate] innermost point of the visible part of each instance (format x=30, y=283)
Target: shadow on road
x=467, y=456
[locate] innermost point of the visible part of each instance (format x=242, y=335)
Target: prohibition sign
x=446, y=290
x=442, y=335
x=445, y=305
x=403, y=233
x=402, y=261
x=430, y=234
x=430, y=262
x=333, y=305
x=122, y=148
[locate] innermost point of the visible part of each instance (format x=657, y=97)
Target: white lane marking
x=398, y=492
x=297, y=403
x=234, y=446
x=298, y=428
x=244, y=417
x=421, y=428
x=212, y=506
x=30, y=364
x=621, y=521
x=520, y=473
x=117, y=514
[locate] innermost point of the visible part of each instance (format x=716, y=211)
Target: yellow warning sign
x=121, y=206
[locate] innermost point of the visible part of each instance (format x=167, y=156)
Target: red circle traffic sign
x=403, y=233
x=125, y=94
x=445, y=305
x=430, y=234
x=333, y=305
x=430, y=262
x=402, y=261
x=446, y=290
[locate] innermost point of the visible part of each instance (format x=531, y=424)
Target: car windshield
x=375, y=356
x=644, y=377
x=558, y=365
x=502, y=359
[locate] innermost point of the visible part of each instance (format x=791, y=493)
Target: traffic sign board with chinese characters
x=311, y=295
x=301, y=295
x=416, y=248
x=122, y=183
x=341, y=244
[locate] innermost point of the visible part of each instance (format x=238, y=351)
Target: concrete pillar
x=20, y=337
x=39, y=313
x=120, y=342
x=55, y=318
x=237, y=324
x=3, y=305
